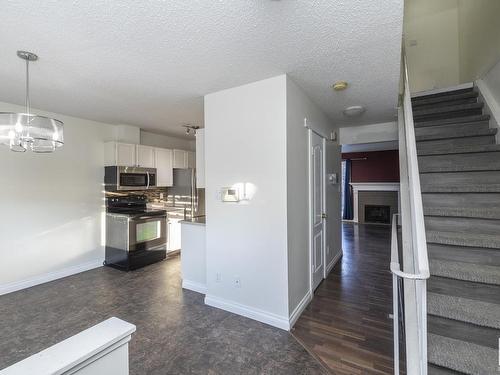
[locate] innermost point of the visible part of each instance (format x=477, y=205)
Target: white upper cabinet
x=164, y=163
x=123, y=154
x=180, y=159
x=191, y=156
x=145, y=156
x=200, y=158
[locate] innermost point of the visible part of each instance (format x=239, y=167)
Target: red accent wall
x=379, y=166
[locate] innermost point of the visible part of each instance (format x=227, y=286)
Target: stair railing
x=415, y=264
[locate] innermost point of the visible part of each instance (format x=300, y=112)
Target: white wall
x=51, y=206
x=165, y=141
x=245, y=142
x=489, y=88
x=300, y=107
x=382, y=132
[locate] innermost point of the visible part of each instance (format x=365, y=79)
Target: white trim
x=371, y=186
x=249, y=312
x=78, y=351
x=51, y=276
x=194, y=286
x=462, y=86
x=297, y=312
x=492, y=106
x=333, y=262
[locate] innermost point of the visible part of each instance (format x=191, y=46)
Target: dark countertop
x=200, y=220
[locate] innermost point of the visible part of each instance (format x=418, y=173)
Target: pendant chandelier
x=27, y=131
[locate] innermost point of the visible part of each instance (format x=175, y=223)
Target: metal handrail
x=414, y=244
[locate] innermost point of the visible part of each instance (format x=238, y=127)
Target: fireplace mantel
x=371, y=186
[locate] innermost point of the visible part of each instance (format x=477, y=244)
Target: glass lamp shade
x=21, y=131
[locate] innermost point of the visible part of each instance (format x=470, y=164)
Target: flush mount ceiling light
x=340, y=85
x=354, y=110
x=191, y=129
x=27, y=131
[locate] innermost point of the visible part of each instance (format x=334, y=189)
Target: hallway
x=347, y=324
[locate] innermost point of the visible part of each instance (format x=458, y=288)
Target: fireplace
x=377, y=214
x=375, y=194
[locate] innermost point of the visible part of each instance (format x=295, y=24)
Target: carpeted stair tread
x=460, y=150
x=463, y=225
x=461, y=182
x=438, y=144
x=476, y=255
x=480, y=273
x=458, y=134
x=463, y=309
x=451, y=129
x=462, y=356
x=463, y=331
x=472, y=212
x=482, y=161
x=463, y=239
x=454, y=120
x=438, y=370
x=447, y=109
x=424, y=101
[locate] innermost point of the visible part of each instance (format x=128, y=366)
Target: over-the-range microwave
x=129, y=178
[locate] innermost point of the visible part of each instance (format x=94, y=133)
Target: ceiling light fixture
x=340, y=85
x=23, y=131
x=191, y=129
x=354, y=110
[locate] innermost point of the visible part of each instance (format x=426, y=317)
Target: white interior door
x=317, y=208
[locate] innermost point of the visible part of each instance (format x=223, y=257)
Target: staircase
x=459, y=166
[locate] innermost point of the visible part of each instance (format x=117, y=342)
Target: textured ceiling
x=149, y=63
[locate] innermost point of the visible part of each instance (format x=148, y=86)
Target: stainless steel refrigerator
x=185, y=194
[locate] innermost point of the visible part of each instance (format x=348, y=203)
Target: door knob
x=324, y=216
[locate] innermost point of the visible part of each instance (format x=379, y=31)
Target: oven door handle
x=149, y=217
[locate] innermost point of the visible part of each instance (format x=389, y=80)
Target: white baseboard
x=333, y=262
x=194, y=286
x=294, y=316
x=51, y=276
x=445, y=89
x=249, y=312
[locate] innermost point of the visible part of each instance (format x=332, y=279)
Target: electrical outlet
x=328, y=249
x=218, y=277
x=237, y=282
x=161, y=196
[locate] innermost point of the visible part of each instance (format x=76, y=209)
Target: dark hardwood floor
x=347, y=324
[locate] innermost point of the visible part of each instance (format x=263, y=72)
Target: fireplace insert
x=377, y=214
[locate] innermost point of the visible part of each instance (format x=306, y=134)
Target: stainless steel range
x=135, y=236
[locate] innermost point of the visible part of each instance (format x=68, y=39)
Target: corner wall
x=300, y=107
x=245, y=142
x=52, y=206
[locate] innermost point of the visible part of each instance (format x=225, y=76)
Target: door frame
x=310, y=208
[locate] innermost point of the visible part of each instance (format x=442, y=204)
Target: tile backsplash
x=152, y=194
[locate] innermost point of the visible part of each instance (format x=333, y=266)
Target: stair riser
x=451, y=121
x=485, y=161
x=446, y=115
x=462, y=225
x=476, y=255
x=441, y=104
x=451, y=130
x=460, y=150
x=455, y=142
x=419, y=102
x=483, y=205
x=444, y=94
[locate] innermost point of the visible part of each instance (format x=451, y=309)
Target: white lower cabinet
x=174, y=234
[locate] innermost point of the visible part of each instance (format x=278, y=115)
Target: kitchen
x=153, y=195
